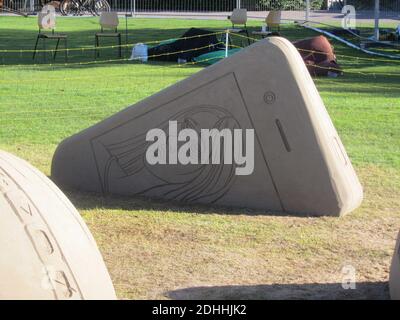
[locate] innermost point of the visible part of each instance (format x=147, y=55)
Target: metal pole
x=377, y=9
x=307, y=10
x=238, y=4
x=226, y=43
x=126, y=33
x=32, y=5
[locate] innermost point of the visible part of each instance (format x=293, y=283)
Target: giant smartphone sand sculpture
x=394, y=281
x=47, y=252
x=300, y=164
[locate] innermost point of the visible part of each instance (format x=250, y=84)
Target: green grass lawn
x=161, y=250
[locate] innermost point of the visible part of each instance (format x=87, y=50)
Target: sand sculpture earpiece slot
x=283, y=135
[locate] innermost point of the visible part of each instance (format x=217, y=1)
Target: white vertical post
x=32, y=5
x=226, y=43
x=377, y=9
x=307, y=10
x=238, y=4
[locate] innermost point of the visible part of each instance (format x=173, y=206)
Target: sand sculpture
x=299, y=163
x=47, y=252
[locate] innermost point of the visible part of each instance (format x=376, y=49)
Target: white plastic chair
x=47, y=21
x=108, y=21
x=239, y=18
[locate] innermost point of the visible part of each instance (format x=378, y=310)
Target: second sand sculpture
x=47, y=251
x=300, y=164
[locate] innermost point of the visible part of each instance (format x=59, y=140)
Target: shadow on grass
x=90, y=201
x=81, y=43
x=14, y=39
x=81, y=46
x=314, y=291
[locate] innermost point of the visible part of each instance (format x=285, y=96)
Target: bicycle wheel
x=69, y=7
x=8, y=4
x=101, y=6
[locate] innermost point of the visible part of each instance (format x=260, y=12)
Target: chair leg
x=66, y=49
x=34, y=50
x=95, y=47
x=120, y=43
x=97, y=53
x=44, y=49
x=248, y=37
x=55, y=51
x=98, y=46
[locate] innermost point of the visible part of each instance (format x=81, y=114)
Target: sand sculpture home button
x=269, y=97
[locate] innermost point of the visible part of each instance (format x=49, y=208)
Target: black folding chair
x=47, y=21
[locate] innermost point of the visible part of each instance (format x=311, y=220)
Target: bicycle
x=82, y=7
x=10, y=7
